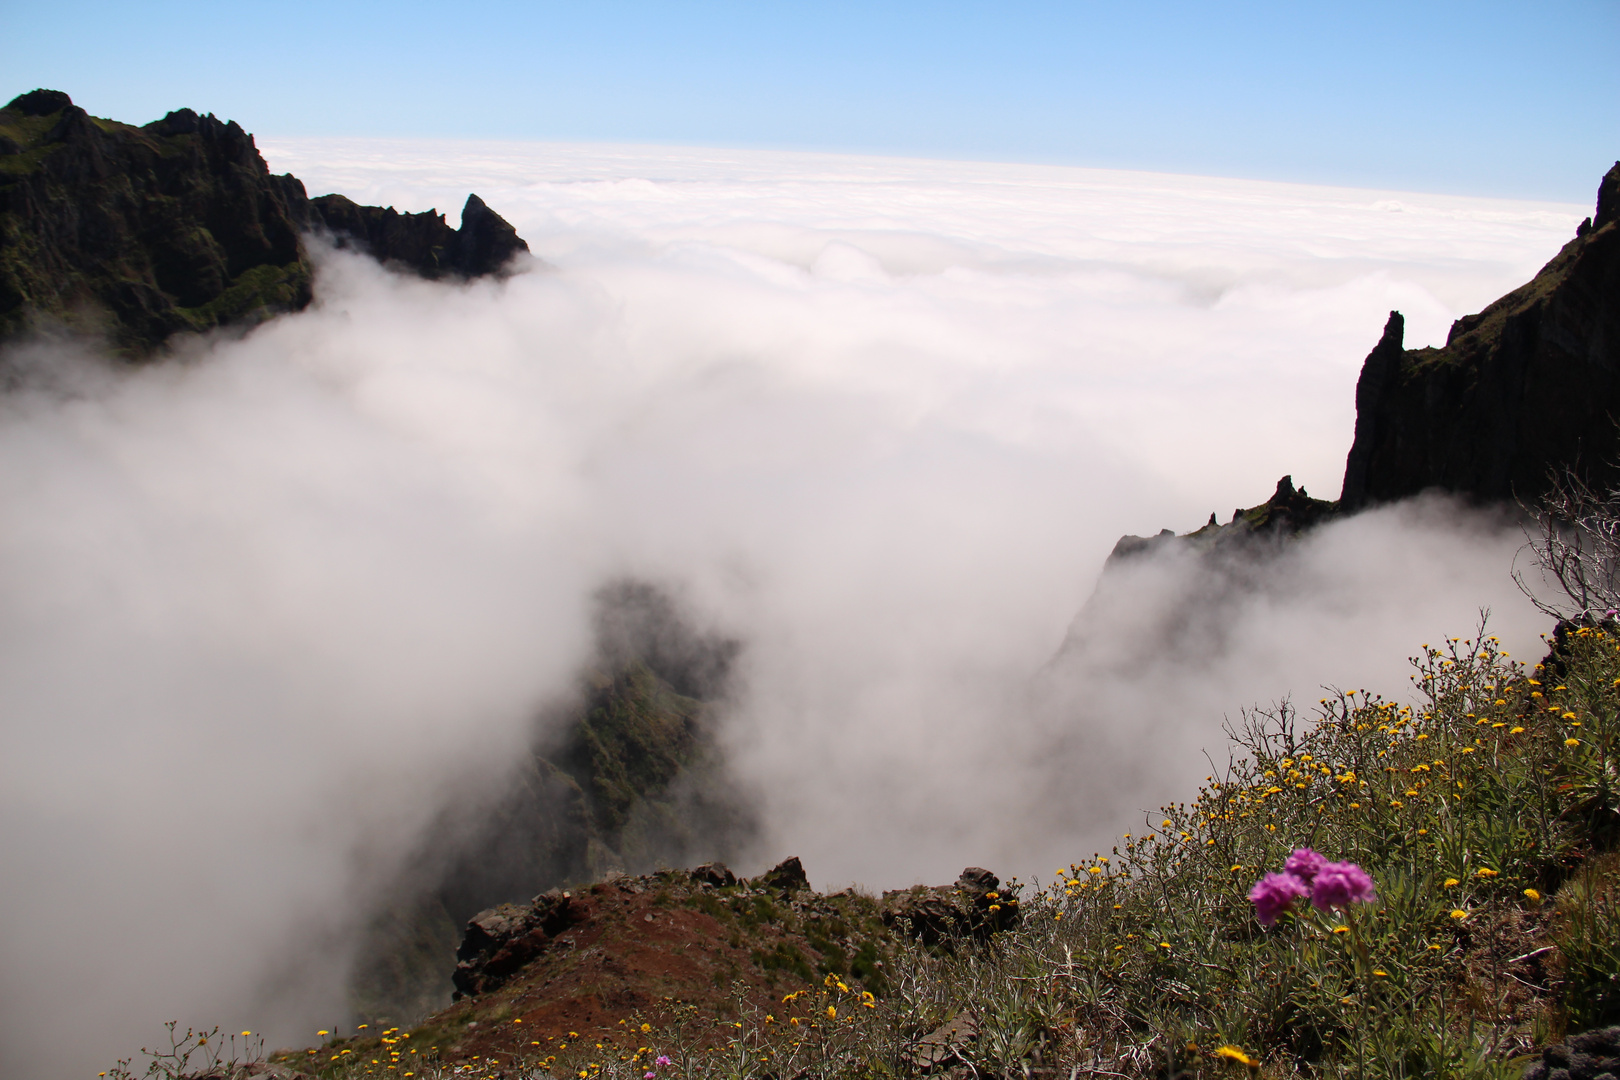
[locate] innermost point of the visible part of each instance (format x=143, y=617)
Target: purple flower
x=1340, y=884
x=663, y=1059
x=651, y=1076
x=1273, y=894
x=1304, y=864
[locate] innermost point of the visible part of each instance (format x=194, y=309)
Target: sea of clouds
x=267, y=607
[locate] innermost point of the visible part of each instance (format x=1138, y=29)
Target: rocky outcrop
x=786, y=877
x=423, y=243
x=139, y=233
x=1528, y=386
x=1592, y=1055
x=786, y=929
x=715, y=874
x=502, y=941
x=974, y=907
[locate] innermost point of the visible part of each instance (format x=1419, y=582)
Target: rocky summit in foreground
x=140, y=233
x=584, y=964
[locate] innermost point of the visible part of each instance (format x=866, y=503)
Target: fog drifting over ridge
x=265, y=609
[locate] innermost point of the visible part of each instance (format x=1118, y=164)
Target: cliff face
x=174, y=226
x=1529, y=384
x=144, y=232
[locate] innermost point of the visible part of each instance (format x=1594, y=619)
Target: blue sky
x=1517, y=99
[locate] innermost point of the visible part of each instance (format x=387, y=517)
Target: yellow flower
x=1458, y=913
x=644, y=1027
x=1486, y=871
x=1450, y=881
x=1341, y=929
x=1572, y=742
x=1232, y=1053
x=832, y=1013
x=1568, y=716
x=1532, y=895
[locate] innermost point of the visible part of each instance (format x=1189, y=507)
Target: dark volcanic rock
x=787, y=876
x=1592, y=1055
x=144, y=232
x=501, y=941
x=1529, y=385
x=974, y=907
x=423, y=243
x=714, y=873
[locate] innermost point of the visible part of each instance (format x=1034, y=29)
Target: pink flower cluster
x=1308, y=873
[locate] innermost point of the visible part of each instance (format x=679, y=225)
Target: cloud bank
x=268, y=607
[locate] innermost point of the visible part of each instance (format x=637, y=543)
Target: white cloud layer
x=262, y=610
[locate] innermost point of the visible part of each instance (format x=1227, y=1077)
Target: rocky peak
x=1525, y=387
x=1608, y=200
x=40, y=102
x=423, y=243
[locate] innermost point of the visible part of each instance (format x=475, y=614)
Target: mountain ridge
x=141, y=233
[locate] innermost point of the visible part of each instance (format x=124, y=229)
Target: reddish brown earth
x=671, y=951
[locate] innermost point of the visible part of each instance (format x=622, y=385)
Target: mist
x=269, y=607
